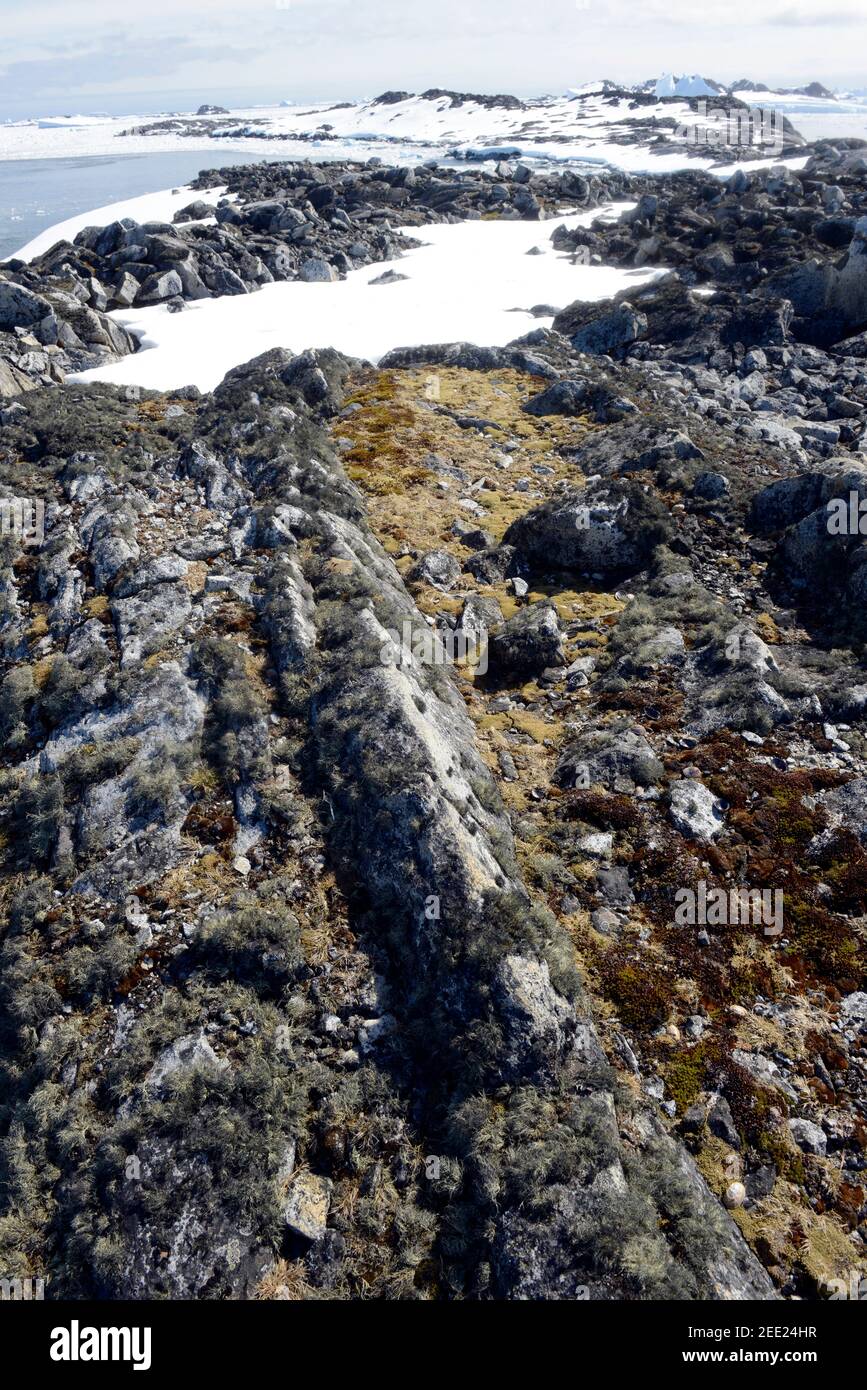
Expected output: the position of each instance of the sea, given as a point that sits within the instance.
(37, 193)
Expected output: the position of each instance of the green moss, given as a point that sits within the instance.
(638, 989)
(685, 1077)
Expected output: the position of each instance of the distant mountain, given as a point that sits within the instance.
(814, 89)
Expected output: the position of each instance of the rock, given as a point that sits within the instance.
(388, 277)
(761, 1182)
(192, 1052)
(528, 642)
(600, 531)
(194, 212)
(536, 1015)
(164, 285)
(764, 1070)
(125, 290)
(601, 328)
(374, 1031)
(695, 811)
(437, 568)
(721, 1123)
(711, 486)
(305, 1211)
(565, 397)
(480, 614)
(735, 1195)
(20, 307)
(605, 921)
(494, 564)
(809, 1137)
(315, 268)
(608, 754)
(598, 844)
(853, 1009)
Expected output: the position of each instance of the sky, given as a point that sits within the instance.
(86, 56)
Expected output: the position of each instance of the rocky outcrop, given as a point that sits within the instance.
(485, 1017)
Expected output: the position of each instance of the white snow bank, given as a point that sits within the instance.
(150, 207)
(462, 283)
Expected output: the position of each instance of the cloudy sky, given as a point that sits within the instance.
(88, 55)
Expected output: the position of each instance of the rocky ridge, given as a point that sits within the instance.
(363, 964)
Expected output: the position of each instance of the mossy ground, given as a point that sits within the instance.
(651, 975)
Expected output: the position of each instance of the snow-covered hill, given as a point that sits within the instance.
(633, 128)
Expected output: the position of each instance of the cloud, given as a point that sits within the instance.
(346, 48)
(74, 67)
(792, 18)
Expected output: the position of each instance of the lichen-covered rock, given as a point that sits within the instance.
(529, 642)
(598, 531)
(695, 811)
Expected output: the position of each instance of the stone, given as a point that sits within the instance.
(603, 531)
(601, 328)
(437, 568)
(305, 1211)
(316, 269)
(735, 1195)
(711, 486)
(528, 642)
(853, 1008)
(695, 811)
(721, 1123)
(809, 1137)
(20, 307)
(761, 1182)
(192, 1052)
(164, 285)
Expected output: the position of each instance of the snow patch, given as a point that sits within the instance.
(465, 282)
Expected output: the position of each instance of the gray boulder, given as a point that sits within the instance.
(528, 642)
(695, 811)
(19, 307)
(156, 288)
(602, 328)
(315, 268)
(437, 568)
(595, 531)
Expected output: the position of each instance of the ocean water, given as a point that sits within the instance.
(36, 193)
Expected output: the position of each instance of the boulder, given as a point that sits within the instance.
(20, 307)
(437, 568)
(597, 531)
(156, 288)
(528, 643)
(601, 328)
(305, 1211)
(315, 268)
(695, 811)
